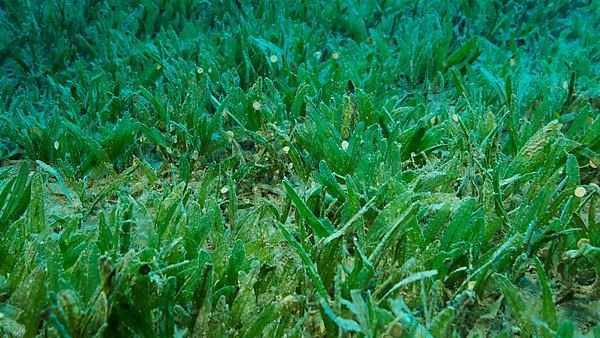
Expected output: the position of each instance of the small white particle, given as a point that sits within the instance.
(345, 145)
(274, 58)
(565, 85)
(580, 192)
(256, 105)
(200, 70)
(593, 165)
(224, 190)
(455, 117)
(56, 144)
(286, 149)
(335, 55)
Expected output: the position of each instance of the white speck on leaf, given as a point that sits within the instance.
(345, 145)
(580, 192)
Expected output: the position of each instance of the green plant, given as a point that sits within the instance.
(237, 168)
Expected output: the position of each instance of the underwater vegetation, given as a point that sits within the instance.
(299, 168)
